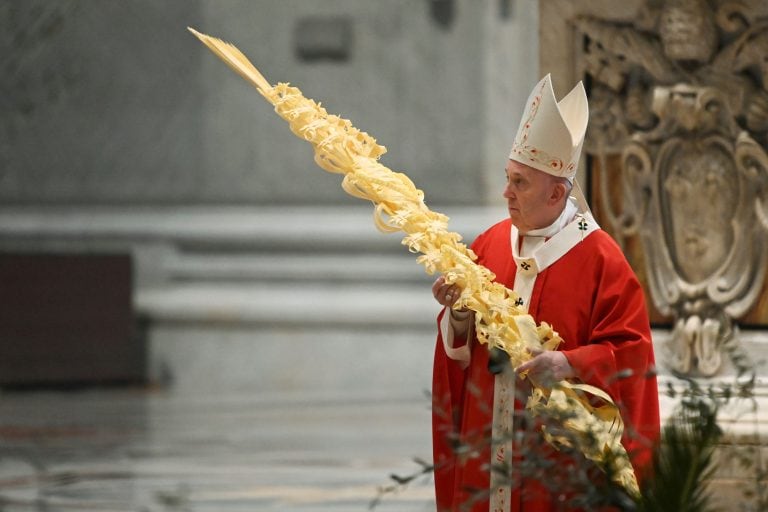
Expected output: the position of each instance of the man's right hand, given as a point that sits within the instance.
(445, 294)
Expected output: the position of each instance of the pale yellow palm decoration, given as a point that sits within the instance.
(399, 206)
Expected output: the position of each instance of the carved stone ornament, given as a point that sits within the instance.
(681, 94)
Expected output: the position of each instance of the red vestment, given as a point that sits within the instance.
(593, 300)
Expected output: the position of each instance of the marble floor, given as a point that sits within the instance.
(153, 451)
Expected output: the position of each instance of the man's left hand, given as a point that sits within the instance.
(547, 367)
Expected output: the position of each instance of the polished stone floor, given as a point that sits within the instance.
(153, 451)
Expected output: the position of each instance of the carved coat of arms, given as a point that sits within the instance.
(681, 94)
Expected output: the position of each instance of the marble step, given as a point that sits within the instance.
(258, 337)
(211, 358)
(222, 228)
(293, 267)
(296, 304)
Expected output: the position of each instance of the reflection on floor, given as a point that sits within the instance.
(149, 451)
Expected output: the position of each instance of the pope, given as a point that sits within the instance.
(489, 453)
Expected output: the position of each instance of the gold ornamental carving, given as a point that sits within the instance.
(680, 96)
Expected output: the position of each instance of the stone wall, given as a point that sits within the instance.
(115, 102)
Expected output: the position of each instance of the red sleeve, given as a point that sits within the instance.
(447, 391)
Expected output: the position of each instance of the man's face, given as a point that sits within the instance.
(528, 194)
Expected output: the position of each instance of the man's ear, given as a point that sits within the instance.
(559, 191)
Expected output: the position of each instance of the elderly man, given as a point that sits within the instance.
(569, 273)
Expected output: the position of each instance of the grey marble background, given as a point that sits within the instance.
(114, 102)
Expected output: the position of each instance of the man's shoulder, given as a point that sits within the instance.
(603, 240)
(601, 247)
(600, 238)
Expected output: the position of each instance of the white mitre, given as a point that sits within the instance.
(552, 132)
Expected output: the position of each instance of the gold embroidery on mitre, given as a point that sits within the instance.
(533, 153)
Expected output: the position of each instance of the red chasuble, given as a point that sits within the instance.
(593, 300)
